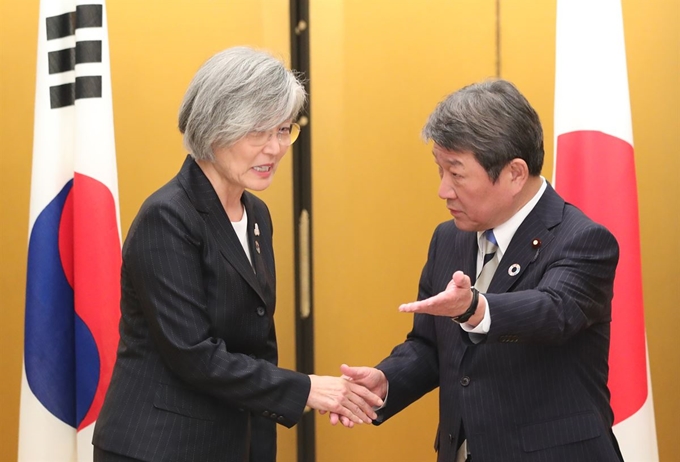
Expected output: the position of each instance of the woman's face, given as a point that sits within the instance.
(250, 163)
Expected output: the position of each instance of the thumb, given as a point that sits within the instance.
(461, 280)
(353, 373)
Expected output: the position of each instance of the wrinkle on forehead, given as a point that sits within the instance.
(444, 156)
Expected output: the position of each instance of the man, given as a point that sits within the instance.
(514, 309)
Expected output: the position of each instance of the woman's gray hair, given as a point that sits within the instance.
(237, 91)
(494, 121)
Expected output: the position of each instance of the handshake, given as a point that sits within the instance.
(350, 398)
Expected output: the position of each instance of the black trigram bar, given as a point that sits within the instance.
(84, 87)
(67, 23)
(61, 60)
(62, 95)
(89, 16)
(89, 87)
(89, 51)
(61, 26)
(86, 51)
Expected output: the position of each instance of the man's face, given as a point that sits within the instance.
(473, 200)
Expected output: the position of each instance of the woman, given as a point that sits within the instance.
(196, 375)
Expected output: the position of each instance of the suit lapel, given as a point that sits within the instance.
(468, 262)
(259, 241)
(521, 252)
(203, 196)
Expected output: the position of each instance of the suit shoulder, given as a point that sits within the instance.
(168, 203)
(169, 196)
(579, 227)
(576, 217)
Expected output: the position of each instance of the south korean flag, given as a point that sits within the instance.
(73, 270)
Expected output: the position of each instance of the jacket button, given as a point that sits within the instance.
(260, 311)
(273, 415)
(450, 438)
(465, 381)
(265, 413)
(281, 418)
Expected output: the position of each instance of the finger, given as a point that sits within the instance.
(346, 422)
(362, 411)
(352, 412)
(334, 418)
(409, 307)
(322, 412)
(422, 305)
(368, 396)
(361, 408)
(357, 408)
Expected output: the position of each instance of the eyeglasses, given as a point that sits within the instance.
(286, 135)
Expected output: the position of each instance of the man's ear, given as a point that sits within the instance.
(519, 171)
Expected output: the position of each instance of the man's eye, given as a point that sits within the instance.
(284, 130)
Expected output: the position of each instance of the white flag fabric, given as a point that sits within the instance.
(595, 170)
(74, 258)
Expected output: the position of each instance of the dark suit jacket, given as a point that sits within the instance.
(196, 376)
(535, 389)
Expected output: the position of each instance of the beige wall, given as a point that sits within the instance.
(378, 68)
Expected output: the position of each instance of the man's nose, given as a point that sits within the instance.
(445, 190)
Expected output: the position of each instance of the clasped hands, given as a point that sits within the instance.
(369, 389)
(368, 385)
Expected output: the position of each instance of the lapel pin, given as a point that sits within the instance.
(257, 230)
(514, 269)
(535, 243)
(257, 246)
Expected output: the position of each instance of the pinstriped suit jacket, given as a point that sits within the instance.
(196, 378)
(535, 389)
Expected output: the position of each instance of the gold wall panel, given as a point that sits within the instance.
(378, 69)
